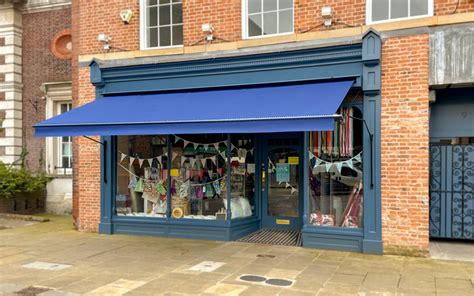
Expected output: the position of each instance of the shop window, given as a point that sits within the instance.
(336, 173)
(267, 17)
(198, 177)
(141, 176)
(161, 23)
(242, 176)
(388, 10)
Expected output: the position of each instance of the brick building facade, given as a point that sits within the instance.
(406, 81)
(35, 74)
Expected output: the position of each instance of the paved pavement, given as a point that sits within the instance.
(454, 250)
(54, 259)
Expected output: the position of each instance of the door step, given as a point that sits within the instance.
(274, 237)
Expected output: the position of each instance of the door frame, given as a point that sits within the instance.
(296, 223)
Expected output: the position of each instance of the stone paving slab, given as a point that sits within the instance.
(139, 265)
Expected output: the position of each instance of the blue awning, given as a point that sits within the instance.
(304, 107)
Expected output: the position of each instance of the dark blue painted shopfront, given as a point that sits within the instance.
(358, 63)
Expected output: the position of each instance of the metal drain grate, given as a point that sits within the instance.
(274, 237)
(32, 291)
(258, 279)
(253, 278)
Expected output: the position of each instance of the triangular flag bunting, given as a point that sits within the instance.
(213, 159)
(339, 166)
(311, 155)
(195, 145)
(203, 162)
(185, 143)
(318, 162)
(176, 139)
(150, 161)
(216, 146)
(132, 160)
(206, 147)
(122, 157)
(293, 190)
(251, 151)
(140, 162)
(358, 158)
(173, 155)
(183, 160)
(328, 166)
(349, 163)
(287, 185)
(193, 162)
(159, 160)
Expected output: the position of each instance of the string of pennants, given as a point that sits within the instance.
(215, 145)
(241, 152)
(141, 161)
(177, 181)
(337, 164)
(272, 169)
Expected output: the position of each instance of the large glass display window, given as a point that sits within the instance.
(199, 177)
(141, 176)
(242, 176)
(336, 173)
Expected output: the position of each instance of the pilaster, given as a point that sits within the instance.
(10, 83)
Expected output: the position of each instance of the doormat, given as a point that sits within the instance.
(274, 237)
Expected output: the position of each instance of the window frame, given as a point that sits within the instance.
(245, 32)
(368, 15)
(143, 27)
(59, 141)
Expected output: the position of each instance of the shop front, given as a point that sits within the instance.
(221, 148)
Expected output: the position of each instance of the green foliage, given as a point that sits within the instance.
(15, 179)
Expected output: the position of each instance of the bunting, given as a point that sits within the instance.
(338, 164)
(197, 144)
(141, 161)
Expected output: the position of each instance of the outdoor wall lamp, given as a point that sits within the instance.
(207, 28)
(105, 39)
(326, 13)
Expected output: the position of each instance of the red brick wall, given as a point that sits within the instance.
(224, 15)
(346, 13)
(86, 188)
(402, 196)
(39, 66)
(98, 16)
(445, 7)
(405, 138)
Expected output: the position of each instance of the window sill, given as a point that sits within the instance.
(161, 47)
(368, 23)
(266, 36)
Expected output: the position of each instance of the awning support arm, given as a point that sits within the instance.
(94, 140)
(104, 161)
(371, 138)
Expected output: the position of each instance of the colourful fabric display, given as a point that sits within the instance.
(338, 143)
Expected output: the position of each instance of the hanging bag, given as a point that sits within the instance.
(139, 185)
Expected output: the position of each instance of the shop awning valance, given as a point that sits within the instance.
(286, 108)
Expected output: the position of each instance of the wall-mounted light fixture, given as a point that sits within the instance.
(326, 13)
(126, 15)
(207, 28)
(105, 39)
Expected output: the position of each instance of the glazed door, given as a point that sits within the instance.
(281, 182)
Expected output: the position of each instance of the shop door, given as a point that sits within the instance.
(282, 204)
(452, 191)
